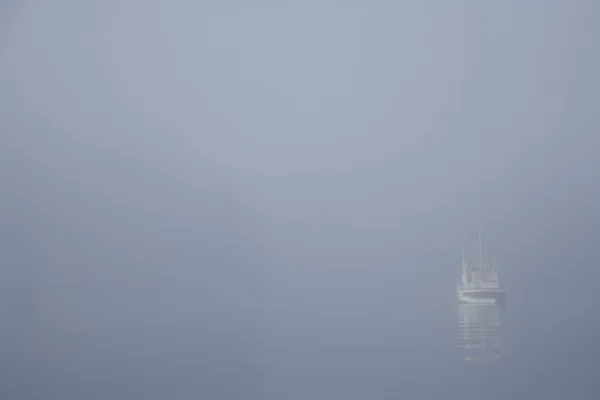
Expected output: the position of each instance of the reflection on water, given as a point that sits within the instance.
(479, 332)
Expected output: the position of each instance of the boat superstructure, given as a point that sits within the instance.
(479, 280)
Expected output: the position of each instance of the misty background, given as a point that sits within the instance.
(265, 200)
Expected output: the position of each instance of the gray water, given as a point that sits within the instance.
(243, 200)
(532, 350)
(351, 334)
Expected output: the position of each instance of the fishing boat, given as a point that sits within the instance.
(479, 280)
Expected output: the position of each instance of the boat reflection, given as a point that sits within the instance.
(479, 332)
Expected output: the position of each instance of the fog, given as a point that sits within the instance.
(261, 200)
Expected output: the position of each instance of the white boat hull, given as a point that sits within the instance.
(481, 296)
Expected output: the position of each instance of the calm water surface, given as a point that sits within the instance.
(532, 350)
(313, 342)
